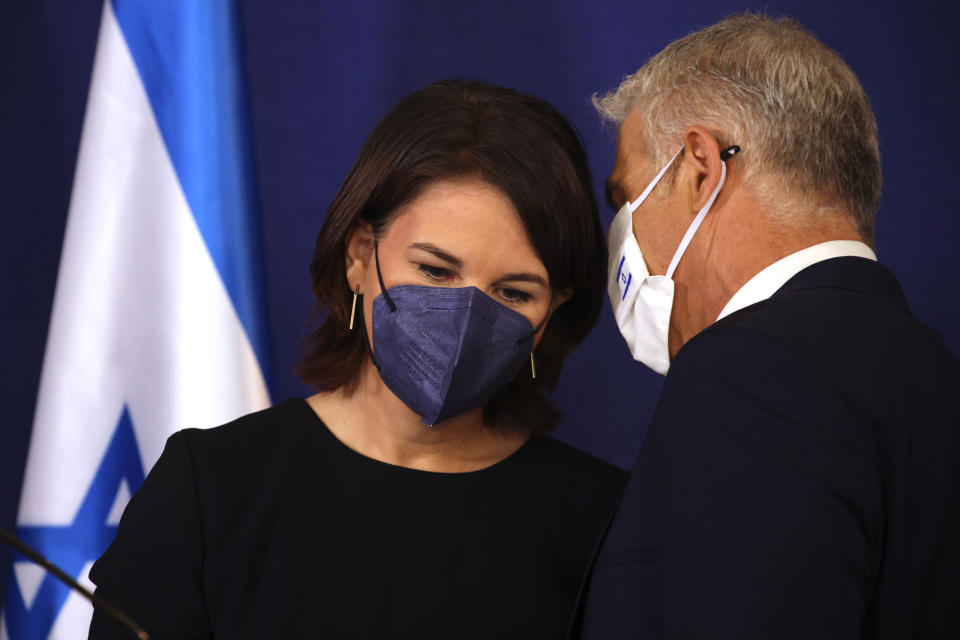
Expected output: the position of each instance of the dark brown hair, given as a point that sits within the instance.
(516, 142)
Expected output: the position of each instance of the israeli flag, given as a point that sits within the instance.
(157, 320)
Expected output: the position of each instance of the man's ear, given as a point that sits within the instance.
(701, 158)
(360, 242)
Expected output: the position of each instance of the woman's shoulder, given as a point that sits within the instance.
(287, 417)
(260, 438)
(245, 468)
(573, 465)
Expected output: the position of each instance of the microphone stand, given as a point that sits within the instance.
(58, 573)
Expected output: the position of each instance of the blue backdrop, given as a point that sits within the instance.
(320, 75)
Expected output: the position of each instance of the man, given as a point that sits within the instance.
(800, 476)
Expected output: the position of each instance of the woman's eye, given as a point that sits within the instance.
(514, 295)
(434, 273)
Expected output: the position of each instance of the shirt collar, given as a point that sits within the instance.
(765, 284)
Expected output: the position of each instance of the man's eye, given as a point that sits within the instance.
(514, 295)
(611, 203)
(434, 273)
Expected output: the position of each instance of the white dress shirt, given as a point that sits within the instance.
(765, 284)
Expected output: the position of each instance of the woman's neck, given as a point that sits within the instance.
(376, 423)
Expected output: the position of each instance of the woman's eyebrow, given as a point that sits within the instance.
(438, 252)
(523, 277)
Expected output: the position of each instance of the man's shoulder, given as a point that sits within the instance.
(745, 361)
(829, 298)
(841, 330)
(845, 312)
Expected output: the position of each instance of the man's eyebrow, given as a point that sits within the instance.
(523, 277)
(438, 252)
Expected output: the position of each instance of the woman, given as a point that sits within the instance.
(416, 494)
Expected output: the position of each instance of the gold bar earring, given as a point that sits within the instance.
(353, 307)
(533, 367)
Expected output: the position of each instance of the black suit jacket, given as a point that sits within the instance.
(800, 477)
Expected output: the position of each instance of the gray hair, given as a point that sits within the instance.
(808, 135)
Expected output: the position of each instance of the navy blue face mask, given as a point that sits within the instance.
(444, 351)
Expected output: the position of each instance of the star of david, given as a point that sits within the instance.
(75, 545)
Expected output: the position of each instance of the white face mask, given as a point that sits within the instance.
(641, 302)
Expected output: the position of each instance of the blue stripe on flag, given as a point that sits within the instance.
(189, 58)
(73, 546)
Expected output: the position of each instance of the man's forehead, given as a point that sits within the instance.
(630, 137)
(631, 159)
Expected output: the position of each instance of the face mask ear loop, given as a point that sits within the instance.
(688, 236)
(632, 206)
(537, 328)
(383, 289)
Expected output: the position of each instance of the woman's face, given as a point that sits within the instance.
(460, 232)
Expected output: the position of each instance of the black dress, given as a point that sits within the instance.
(270, 527)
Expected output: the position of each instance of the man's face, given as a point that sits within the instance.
(657, 223)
